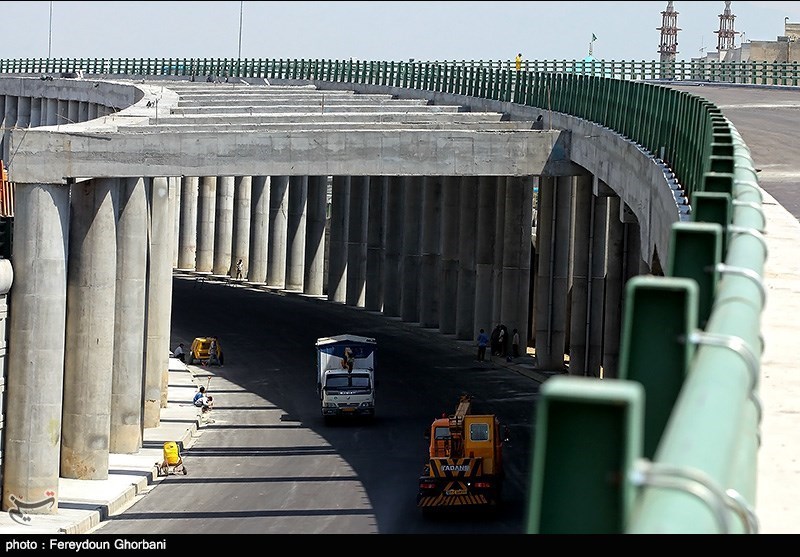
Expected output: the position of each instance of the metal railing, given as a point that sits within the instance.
(754, 72)
(671, 445)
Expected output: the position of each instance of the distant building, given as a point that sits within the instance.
(791, 30)
(786, 48)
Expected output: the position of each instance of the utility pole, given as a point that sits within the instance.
(241, 10)
(50, 32)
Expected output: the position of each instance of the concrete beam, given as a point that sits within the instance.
(218, 125)
(292, 108)
(49, 156)
(464, 118)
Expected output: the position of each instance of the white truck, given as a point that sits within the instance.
(346, 390)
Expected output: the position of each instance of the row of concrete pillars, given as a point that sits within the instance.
(587, 247)
(90, 323)
(451, 253)
(93, 261)
(93, 264)
(27, 112)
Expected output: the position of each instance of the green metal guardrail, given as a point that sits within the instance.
(671, 446)
(755, 72)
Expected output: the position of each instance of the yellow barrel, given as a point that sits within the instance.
(171, 454)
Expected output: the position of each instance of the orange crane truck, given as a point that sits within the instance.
(465, 462)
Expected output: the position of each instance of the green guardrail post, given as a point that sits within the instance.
(695, 252)
(714, 207)
(718, 182)
(660, 313)
(588, 437)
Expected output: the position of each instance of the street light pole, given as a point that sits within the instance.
(241, 10)
(50, 32)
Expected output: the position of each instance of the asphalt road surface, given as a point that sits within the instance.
(767, 119)
(269, 464)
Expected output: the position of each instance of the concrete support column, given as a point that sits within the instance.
(52, 112)
(516, 275)
(159, 297)
(393, 262)
(412, 216)
(497, 249)
(36, 112)
(597, 285)
(72, 112)
(467, 225)
(129, 318)
(24, 112)
(173, 183)
(93, 111)
(614, 282)
(376, 242)
(206, 211)
(175, 187)
(337, 252)
(223, 226)
(278, 216)
(296, 232)
(487, 241)
(357, 241)
(553, 270)
(314, 265)
(62, 112)
(34, 384)
(83, 111)
(6, 281)
(259, 230)
(187, 244)
(581, 246)
(531, 341)
(448, 270)
(431, 251)
(88, 362)
(634, 264)
(9, 121)
(243, 186)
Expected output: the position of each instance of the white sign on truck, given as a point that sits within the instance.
(346, 375)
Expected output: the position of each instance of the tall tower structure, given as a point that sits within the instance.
(669, 34)
(726, 35)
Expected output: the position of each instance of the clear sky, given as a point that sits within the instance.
(373, 30)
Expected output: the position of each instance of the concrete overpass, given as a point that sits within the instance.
(397, 240)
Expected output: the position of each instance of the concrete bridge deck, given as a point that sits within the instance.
(404, 137)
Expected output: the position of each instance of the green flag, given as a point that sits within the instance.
(594, 37)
